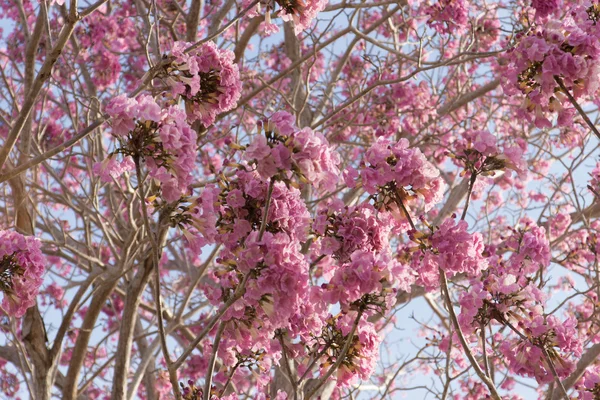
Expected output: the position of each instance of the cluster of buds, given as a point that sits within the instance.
(191, 391)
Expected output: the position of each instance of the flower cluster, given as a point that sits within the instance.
(447, 15)
(398, 174)
(162, 138)
(206, 78)
(344, 230)
(544, 8)
(301, 12)
(506, 294)
(478, 151)
(21, 268)
(564, 51)
(529, 246)
(228, 214)
(284, 150)
(368, 278)
(360, 359)
(595, 181)
(590, 386)
(450, 248)
(532, 353)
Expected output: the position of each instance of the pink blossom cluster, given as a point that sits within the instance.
(595, 181)
(279, 303)
(514, 302)
(545, 8)
(589, 389)
(362, 269)
(529, 246)
(162, 138)
(479, 152)
(505, 294)
(228, 215)
(398, 172)
(278, 294)
(207, 78)
(450, 248)
(532, 354)
(285, 150)
(565, 49)
(370, 277)
(360, 360)
(344, 230)
(301, 12)
(447, 15)
(22, 266)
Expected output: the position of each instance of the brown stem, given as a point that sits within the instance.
(461, 337)
(583, 114)
(156, 262)
(469, 192)
(211, 364)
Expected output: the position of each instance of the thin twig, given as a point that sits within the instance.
(553, 370)
(461, 337)
(263, 224)
(213, 359)
(288, 370)
(470, 191)
(583, 114)
(156, 262)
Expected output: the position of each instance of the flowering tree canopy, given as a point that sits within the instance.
(299, 199)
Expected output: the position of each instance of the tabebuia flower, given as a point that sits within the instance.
(447, 15)
(370, 279)
(589, 388)
(478, 151)
(397, 175)
(343, 230)
(530, 248)
(450, 247)
(544, 8)
(162, 138)
(360, 360)
(206, 78)
(301, 12)
(22, 265)
(566, 50)
(286, 151)
(500, 297)
(277, 295)
(543, 341)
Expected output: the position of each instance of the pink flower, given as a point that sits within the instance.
(110, 168)
(302, 13)
(452, 249)
(286, 150)
(544, 8)
(21, 268)
(122, 114)
(448, 14)
(207, 79)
